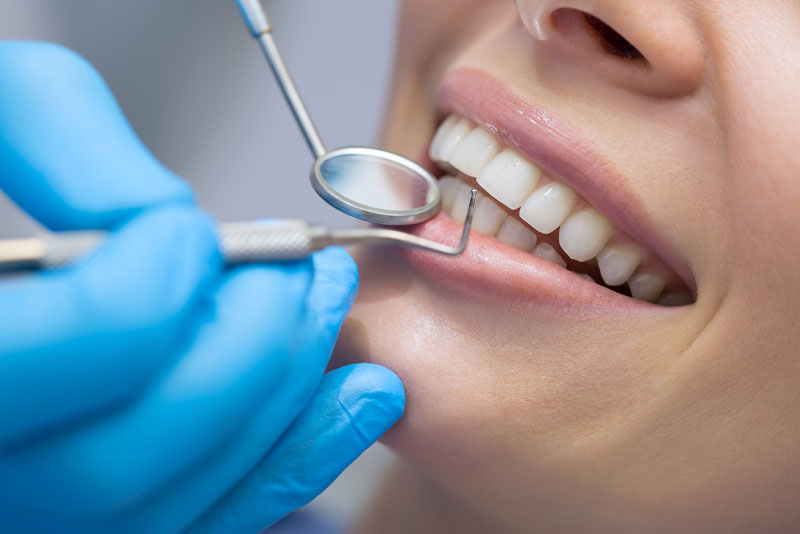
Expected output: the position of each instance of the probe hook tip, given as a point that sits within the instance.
(468, 221)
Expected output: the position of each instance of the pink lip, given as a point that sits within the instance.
(491, 268)
(554, 147)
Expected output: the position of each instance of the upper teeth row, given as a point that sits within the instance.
(544, 204)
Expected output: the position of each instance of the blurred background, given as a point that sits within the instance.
(197, 90)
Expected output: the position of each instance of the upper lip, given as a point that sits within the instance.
(552, 145)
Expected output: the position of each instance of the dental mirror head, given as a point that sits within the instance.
(367, 183)
(376, 186)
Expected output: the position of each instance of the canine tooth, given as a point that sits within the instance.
(674, 300)
(448, 187)
(618, 262)
(510, 178)
(546, 251)
(441, 135)
(514, 233)
(452, 139)
(584, 234)
(461, 203)
(548, 207)
(488, 216)
(646, 286)
(475, 152)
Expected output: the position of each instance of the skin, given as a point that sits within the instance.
(519, 419)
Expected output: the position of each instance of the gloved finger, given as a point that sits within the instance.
(79, 341)
(354, 407)
(230, 370)
(67, 154)
(178, 504)
(329, 301)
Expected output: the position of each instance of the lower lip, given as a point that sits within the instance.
(492, 269)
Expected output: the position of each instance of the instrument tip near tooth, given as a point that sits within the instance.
(473, 199)
(467, 222)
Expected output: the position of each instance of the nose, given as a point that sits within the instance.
(649, 46)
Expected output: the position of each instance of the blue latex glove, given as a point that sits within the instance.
(149, 389)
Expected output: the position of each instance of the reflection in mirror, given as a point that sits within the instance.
(377, 182)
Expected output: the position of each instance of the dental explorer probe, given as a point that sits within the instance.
(240, 243)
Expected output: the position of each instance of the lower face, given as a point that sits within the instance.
(617, 347)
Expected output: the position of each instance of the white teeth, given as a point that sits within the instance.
(448, 187)
(514, 233)
(455, 134)
(475, 152)
(488, 217)
(584, 234)
(646, 286)
(441, 135)
(618, 262)
(510, 179)
(673, 300)
(511, 182)
(547, 252)
(548, 207)
(461, 203)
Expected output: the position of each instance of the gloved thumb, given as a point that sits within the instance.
(353, 407)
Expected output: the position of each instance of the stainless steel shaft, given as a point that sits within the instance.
(261, 28)
(240, 243)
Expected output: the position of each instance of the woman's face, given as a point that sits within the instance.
(662, 139)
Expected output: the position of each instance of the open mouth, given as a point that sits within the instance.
(536, 211)
(523, 207)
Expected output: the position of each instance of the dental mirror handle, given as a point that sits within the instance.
(261, 27)
(240, 243)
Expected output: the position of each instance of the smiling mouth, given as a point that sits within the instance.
(553, 213)
(525, 208)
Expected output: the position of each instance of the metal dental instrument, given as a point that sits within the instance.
(366, 183)
(241, 243)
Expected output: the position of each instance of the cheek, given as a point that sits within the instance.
(759, 89)
(428, 28)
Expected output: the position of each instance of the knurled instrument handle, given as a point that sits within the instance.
(246, 242)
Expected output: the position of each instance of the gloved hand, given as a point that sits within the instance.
(149, 389)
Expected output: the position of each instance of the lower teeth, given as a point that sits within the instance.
(492, 220)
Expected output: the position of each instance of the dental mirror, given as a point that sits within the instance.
(367, 183)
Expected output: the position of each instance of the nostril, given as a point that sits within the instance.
(612, 42)
(593, 29)
(651, 48)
